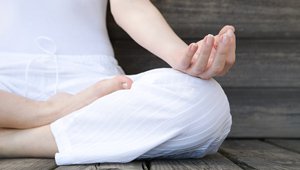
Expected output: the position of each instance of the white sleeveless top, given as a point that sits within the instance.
(74, 26)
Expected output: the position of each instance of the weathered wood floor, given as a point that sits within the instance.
(233, 155)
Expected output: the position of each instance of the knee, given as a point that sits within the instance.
(211, 111)
(197, 110)
(203, 106)
(193, 96)
(207, 120)
(191, 88)
(207, 107)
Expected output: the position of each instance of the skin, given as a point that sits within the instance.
(30, 114)
(199, 59)
(39, 141)
(212, 56)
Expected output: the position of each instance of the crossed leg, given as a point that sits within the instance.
(39, 141)
(194, 115)
(36, 142)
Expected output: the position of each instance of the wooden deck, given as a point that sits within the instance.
(234, 154)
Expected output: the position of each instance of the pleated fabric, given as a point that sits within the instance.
(166, 113)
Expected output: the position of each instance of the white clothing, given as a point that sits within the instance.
(166, 113)
(76, 26)
(75, 73)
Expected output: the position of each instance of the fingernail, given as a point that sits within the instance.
(192, 45)
(125, 85)
(232, 27)
(230, 33)
(209, 39)
(224, 38)
(195, 45)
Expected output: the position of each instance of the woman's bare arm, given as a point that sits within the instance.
(144, 23)
(22, 113)
(18, 112)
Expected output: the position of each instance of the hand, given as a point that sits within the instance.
(210, 57)
(63, 103)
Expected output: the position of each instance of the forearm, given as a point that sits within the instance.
(20, 112)
(144, 23)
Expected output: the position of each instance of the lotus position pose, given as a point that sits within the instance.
(63, 94)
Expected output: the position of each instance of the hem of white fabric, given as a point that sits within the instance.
(61, 141)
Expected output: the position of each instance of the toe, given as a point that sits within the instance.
(121, 82)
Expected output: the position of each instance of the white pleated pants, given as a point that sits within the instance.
(166, 113)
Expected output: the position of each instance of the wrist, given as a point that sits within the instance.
(176, 55)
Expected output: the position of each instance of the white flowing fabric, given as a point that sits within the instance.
(166, 113)
(34, 75)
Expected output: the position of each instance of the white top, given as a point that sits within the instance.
(73, 26)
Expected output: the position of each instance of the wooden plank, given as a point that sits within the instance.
(136, 165)
(213, 162)
(265, 63)
(265, 112)
(27, 164)
(77, 167)
(290, 144)
(254, 154)
(260, 63)
(255, 18)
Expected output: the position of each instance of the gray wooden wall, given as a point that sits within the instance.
(264, 85)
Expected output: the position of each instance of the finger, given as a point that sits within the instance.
(201, 62)
(108, 86)
(226, 28)
(232, 51)
(124, 81)
(230, 60)
(185, 62)
(97, 91)
(71, 103)
(219, 60)
(223, 31)
(104, 87)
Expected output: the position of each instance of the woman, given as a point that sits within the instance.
(64, 95)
